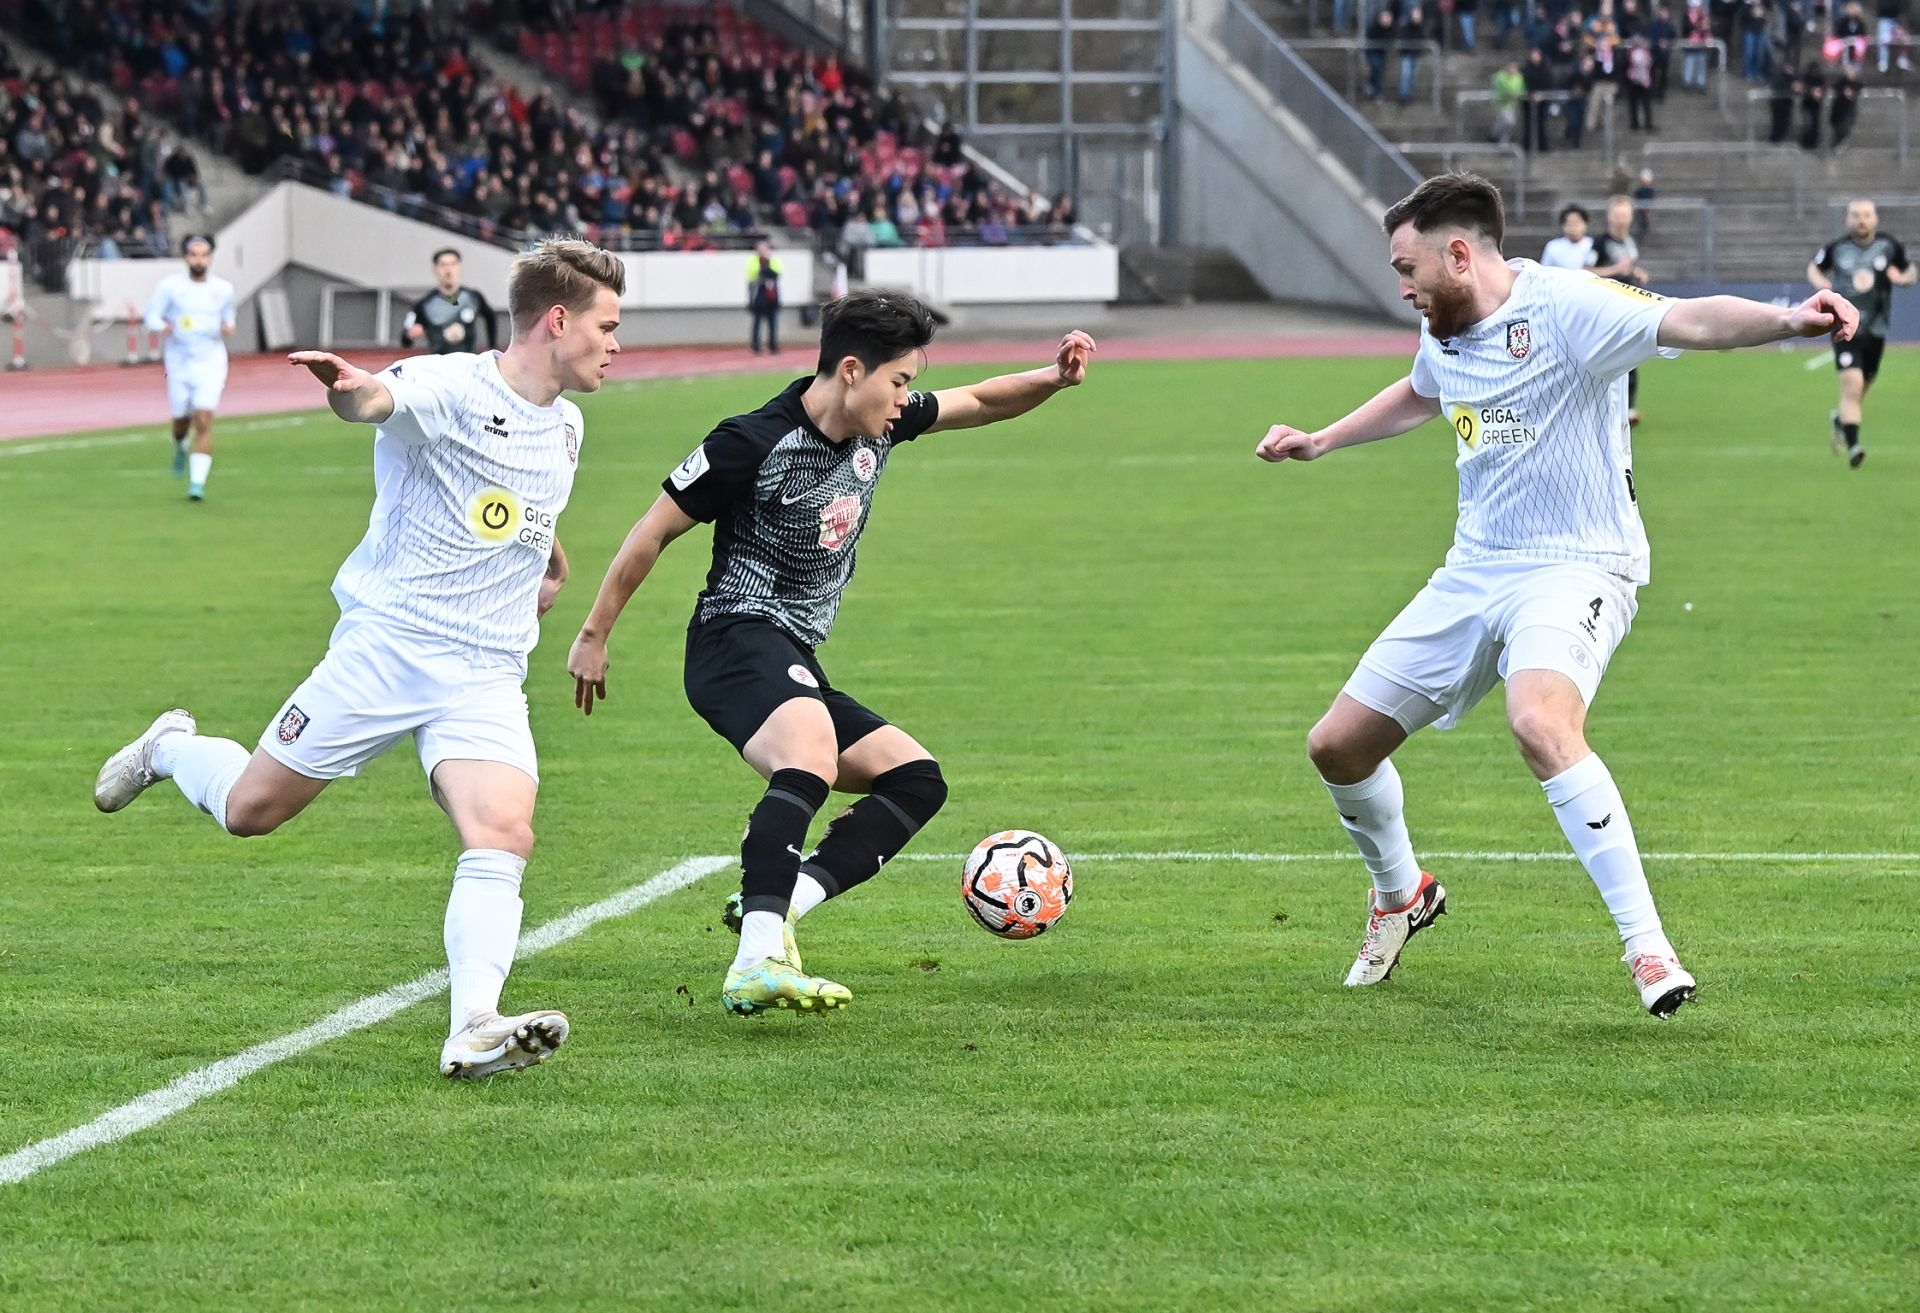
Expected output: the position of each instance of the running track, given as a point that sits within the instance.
(42, 402)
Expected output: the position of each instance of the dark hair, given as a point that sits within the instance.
(1451, 200)
(191, 238)
(445, 250)
(1565, 210)
(873, 327)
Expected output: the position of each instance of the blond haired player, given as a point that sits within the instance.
(473, 458)
(1529, 366)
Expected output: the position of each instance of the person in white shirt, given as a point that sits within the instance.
(1572, 249)
(1528, 365)
(473, 459)
(195, 311)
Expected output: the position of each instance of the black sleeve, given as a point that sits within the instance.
(416, 314)
(921, 413)
(1899, 260)
(484, 312)
(719, 472)
(1823, 259)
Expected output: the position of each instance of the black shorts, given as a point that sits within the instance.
(740, 669)
(1862, 353)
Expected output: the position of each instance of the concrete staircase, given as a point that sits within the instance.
(1729, 207)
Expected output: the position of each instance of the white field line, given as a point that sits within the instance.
(157, 1105)
(15, 448)
(1773, 859)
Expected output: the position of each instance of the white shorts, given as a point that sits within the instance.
(378, 683)
(195, 387)
(1473, 625)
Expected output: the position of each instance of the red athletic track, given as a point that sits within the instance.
(41, 402)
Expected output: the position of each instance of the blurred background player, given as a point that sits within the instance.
(440, 604)
(1616, 255)
(1573, 248)
(1864, 265)
(763, 296)
(787, 489)
(450, 317)
(1549, 552)
(195, 311)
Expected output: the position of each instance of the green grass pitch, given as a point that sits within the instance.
(1113, 625)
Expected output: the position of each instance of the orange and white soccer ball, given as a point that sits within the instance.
(1016, 884)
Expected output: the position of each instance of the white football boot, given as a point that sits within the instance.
(1388, 932)
(1664, 983)
(129, 772)
(493, 1043)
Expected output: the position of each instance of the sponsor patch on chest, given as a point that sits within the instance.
(838, 519)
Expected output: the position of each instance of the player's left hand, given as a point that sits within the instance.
(1823, 313)
(1075, 349)
(330, 369)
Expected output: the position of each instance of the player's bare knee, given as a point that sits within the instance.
(1548, 740)
(251, 816)
(1338, 757)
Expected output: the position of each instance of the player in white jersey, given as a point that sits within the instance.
(474, 459)
(195, 311)
(1529, 366)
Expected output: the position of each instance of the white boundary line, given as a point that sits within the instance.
(16, 447)
(1775, 859)
(158, 1105)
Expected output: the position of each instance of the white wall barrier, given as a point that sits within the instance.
(368, 247)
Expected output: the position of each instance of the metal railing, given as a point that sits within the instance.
(1383, 172)
(1451, 153)
(1432, 66)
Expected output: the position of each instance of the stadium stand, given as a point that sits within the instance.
(715, 132)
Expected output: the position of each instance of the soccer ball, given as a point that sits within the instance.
(1016, 884)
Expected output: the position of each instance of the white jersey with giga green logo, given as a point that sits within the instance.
(469, 482)
(1537, 396)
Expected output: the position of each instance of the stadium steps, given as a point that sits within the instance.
(1775, 203)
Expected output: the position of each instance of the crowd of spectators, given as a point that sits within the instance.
(1576, 66)
(705, 143)
(75, 169)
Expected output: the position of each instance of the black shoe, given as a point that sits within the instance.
(1856, 455)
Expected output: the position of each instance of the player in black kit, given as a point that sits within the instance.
(788, 489)
(1864, 266)
(449, 318)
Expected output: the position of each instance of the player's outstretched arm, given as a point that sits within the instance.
(355, 395)
(1396, 409)
(1008, 395)
(587, 662)
(1722, 323)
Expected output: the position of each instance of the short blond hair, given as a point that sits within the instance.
(560, 271)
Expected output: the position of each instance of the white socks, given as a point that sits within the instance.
(808, 893)
(1594, 819)
(761, 936)
(206, 769)
(198, 463)
(1374, 812)
(482, 930)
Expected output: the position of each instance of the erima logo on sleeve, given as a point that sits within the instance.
(690, 469)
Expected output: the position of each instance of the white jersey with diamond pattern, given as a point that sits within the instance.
(1536, 394)
(469, 482)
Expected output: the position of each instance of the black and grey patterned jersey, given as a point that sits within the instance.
(1859, 273)
(452, 323)
(787, 506)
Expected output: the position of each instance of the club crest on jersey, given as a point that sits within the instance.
(865, 464)
(1519, 339)
(573, 445)
(837, 520)
(291, 725)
